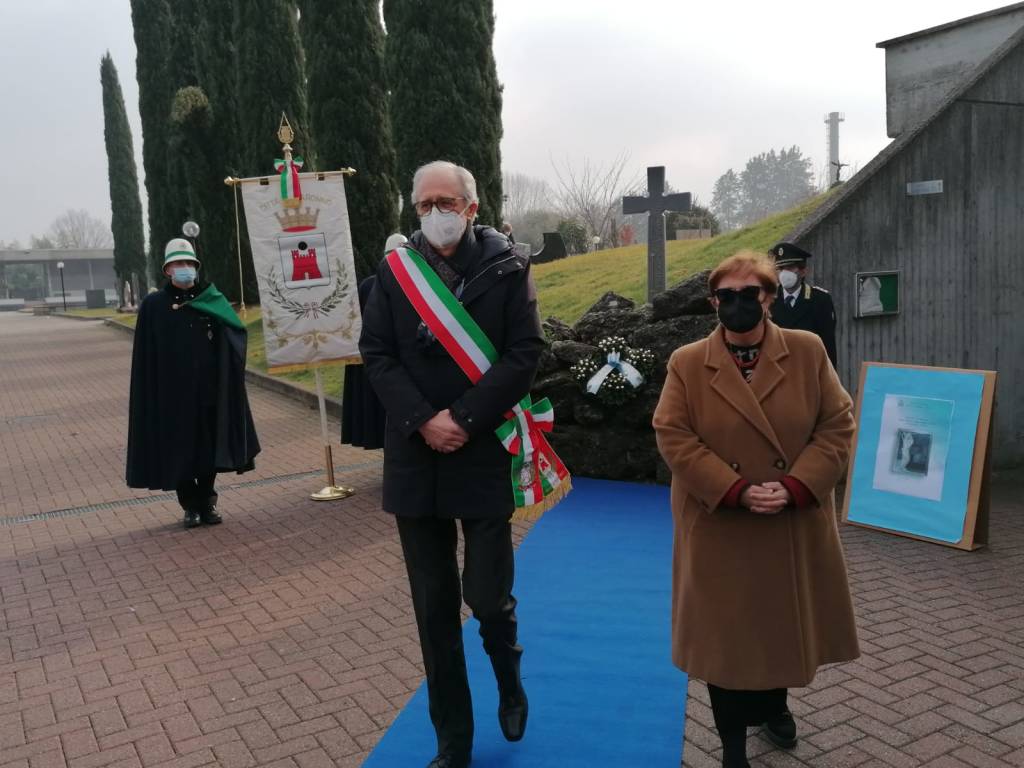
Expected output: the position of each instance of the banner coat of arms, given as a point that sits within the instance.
(302, 252)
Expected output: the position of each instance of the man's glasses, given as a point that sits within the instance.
(444, 204)
(729, 295)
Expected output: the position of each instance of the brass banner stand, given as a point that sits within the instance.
(329, 492)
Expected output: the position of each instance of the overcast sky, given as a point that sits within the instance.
(697, 87)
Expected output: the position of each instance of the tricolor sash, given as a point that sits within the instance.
(539, 478)
(289, 170)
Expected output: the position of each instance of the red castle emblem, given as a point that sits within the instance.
(304, 266)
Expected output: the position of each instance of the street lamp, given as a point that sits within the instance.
(63, 295)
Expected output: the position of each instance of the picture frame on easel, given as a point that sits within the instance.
(920, 464)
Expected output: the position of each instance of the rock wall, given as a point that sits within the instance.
(617, 443)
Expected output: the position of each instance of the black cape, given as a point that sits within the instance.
(181, 397)
(362, 415)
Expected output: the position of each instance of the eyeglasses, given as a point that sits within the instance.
(728, 295)
(444, 204)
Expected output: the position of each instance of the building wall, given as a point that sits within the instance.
(961, 253)
(922, 71)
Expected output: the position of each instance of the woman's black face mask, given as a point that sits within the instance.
(739, 309)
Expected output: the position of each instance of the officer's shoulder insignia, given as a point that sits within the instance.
(818, 288)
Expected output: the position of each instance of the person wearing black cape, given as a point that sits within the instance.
(188, 414)
(362, 416)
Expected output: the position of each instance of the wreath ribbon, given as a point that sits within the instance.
(620, 366)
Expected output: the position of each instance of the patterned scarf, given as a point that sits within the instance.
(745, 358)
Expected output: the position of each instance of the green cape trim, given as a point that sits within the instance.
(212, 302)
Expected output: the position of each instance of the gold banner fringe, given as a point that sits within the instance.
(354, 360)
(534, 511)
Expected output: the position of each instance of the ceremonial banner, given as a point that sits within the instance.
(302, 252)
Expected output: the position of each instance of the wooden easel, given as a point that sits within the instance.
(975, 528)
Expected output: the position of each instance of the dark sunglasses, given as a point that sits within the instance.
(728, 295)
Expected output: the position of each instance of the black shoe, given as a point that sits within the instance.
(209, 516)
(512, 713)
(192, 518)
(449, 760)
(781, 730)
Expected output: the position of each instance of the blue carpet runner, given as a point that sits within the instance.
(593, 580)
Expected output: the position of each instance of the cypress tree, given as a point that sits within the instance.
(344, 48)
(197, 175)
(270, 81)
(204, 145)
(152, 24)
(125, 206)
(446, 95)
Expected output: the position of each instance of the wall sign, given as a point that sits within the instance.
(933, 187)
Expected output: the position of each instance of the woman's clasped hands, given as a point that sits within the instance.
(766, 498)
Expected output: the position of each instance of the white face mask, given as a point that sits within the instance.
(442, 229)
(788, 278)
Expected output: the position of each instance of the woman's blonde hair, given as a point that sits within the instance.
(760, 265)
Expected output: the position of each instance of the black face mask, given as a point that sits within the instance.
(739, 313)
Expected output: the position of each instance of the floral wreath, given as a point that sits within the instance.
(617, 373)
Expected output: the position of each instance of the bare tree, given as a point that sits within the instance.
(524, 194)
(592, 195)
(77, 229)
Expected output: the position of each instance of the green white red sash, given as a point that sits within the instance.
(539, 478)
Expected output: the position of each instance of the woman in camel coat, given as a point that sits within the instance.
(756, 429)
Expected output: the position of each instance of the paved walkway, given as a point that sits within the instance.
(285, 636)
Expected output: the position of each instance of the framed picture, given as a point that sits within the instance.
(876, 294)
(920, 461)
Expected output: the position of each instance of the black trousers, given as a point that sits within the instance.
(197, 493)
(429, 548)
(735, 710)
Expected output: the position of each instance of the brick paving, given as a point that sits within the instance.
(940, 682)
(285, 636)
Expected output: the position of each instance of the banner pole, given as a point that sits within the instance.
(238, 241)
(330, 492)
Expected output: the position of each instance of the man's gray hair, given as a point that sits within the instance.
(465, 179)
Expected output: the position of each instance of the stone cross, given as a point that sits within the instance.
(655, 205)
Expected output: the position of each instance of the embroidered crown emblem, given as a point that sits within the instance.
(298, 220)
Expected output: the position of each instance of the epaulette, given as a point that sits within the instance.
(818, 288)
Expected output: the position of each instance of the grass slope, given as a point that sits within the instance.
(567, 288)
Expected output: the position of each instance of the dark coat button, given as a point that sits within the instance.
(780, 464)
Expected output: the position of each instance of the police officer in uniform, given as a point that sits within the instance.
(798, 304)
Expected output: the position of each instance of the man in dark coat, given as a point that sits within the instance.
(362, 415)
(798, 304)
(442, 460)
(188, 414)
